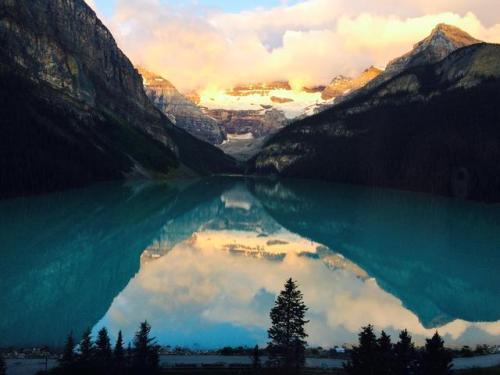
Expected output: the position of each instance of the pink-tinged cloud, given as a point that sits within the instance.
(307, 43)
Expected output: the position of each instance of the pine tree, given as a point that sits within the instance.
(287, 334)
(145, 351)
(119, 351)
(435, 359)
(405, 355)
(386, 359)
(364, 357)
(86, 348)
(68, 357)
(3, 366)
(129, 357)
(103, 348)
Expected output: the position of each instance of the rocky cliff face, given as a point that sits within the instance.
(73, 106)
(342, 85)
(257, 122)
(431, 128)
(443, 40)
(180, 110)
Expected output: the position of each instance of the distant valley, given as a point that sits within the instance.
(241, 119)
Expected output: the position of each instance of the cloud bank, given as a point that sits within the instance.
(199, 293)
(306, 43)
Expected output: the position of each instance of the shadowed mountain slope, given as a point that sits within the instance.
(432, 128)
(73, 109)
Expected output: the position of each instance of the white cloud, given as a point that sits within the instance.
(308, 42)
(198, 288)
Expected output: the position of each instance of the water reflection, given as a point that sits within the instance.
(216, 286)
(203, 261)
(65, 256)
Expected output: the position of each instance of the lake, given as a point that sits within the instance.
(202, 261)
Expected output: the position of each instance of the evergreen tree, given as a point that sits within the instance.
(103, 348)
(86, 348)
(287, 334)
(68, 357)
(119, 351)
(405, 355)
(386, 357)
(145, 351)
(435, 359)
(364, 357)
(3, 366)
(129, 357)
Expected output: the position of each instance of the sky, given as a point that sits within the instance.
(214, 44)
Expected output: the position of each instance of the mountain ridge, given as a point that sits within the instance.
(180, 110)
(430, 128)
(443, 40)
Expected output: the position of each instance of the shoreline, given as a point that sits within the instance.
(30, 366)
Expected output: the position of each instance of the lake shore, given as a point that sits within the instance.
(28, 366)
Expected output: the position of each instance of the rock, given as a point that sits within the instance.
(443, 40)
(257, 122)
(342, 85)
(182, 111)
(276, 99)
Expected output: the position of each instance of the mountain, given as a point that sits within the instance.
(443, 40)
(257, 123)
(251, 113)
(180, 110)
(431, 128)
(342, 85)
(73, 107)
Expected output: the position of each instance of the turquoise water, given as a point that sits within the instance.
(203, 260)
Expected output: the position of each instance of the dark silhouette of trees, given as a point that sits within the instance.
(435, 359)
(379, 356)
(364, 358)
(86, 349)
(386, 354)
(3, 366)
(119, 352)
(101, 358)
(287, 333)
(68, 357)
(129, 355)
(103, 352)
(145, 357)
(405, 355)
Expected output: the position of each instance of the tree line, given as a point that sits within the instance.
(372, 355)
(286, 348)
(379, 356)
(99, 357)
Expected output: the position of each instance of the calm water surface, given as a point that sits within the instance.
(203, 260)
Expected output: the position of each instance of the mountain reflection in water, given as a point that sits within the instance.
(202, 261)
